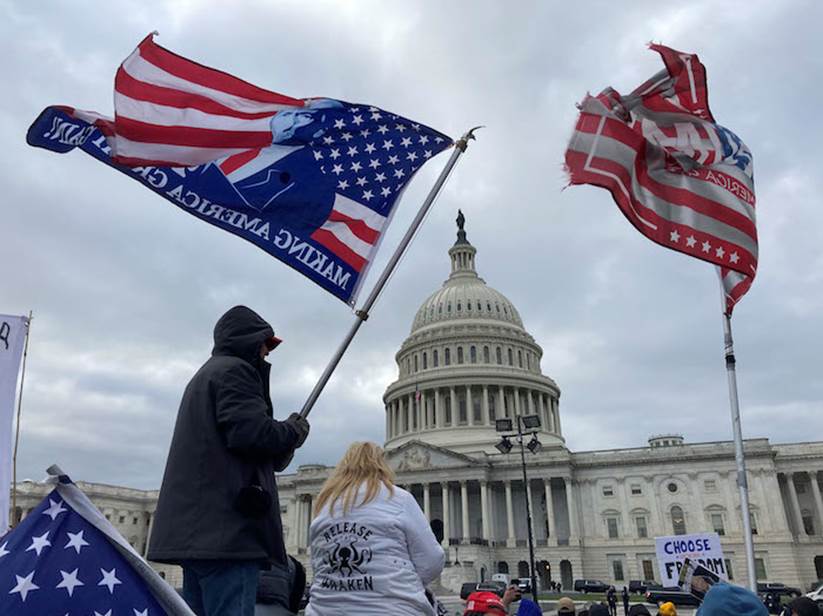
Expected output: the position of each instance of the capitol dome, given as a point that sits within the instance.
(467, 361)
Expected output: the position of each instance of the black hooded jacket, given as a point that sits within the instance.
(224, 440)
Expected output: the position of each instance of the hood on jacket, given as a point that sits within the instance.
(731, 600)
(240, 333)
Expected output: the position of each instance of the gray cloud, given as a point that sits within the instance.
(126, 289)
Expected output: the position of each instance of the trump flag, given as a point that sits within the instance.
(683, 180)
(66, 558)
(312, 181)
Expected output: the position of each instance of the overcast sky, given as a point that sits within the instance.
(126, 288)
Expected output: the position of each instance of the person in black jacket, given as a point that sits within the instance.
(611, 599)
(218, 514)
(625, 597)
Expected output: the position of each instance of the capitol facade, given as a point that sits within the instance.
(469, 361)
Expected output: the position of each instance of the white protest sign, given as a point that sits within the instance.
(703, 548)
(12, 335)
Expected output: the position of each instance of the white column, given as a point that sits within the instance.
(530, 396)
(401, 415)
(798, 517)
(818, 502)
(517, 410)
(464, 510)
(455, 410)
(444, 486)
(501, 402)
(572, 506)
(552, 538)
(469, 405)
(427, 501)
(484, 506)
(438, 411)
(511, 539)
(541, 410)
(556, 415)
(484, 406)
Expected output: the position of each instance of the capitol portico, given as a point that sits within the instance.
(469, 360)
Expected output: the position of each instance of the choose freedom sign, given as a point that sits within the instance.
(703, 548)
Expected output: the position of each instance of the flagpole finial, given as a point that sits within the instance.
(463, 142)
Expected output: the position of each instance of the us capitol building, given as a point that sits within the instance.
(469, 360)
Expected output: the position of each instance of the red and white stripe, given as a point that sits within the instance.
(172, 111)
(634, 148)
(735, 285)
(351, 232)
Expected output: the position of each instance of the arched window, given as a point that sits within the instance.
(486, 356)
(425, 360)
(459, 306)
(519, 359)
(473, 354)
(460, 355)
(511, 358)
(528, 361)
(447, 407)
(435, 358)
(678, 520)
(416, 368)
(523, 569)
(502, 567)
(449, 307)
(499, 355)
(447, 357)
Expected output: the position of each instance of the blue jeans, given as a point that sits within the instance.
(221, 587)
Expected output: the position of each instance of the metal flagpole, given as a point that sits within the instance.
(742, 481)
(363, 313)
(19, 407)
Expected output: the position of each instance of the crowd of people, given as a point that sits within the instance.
(372, 550)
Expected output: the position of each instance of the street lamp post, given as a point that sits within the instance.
(531, 423)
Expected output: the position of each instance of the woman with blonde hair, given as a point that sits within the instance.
(372, 550)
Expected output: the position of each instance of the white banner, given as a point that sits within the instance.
(703, 548)
(12, 336)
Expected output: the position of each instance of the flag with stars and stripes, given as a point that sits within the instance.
(65, 558)
(311, 181)
(681, 179)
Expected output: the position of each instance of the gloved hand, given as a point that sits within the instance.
(301, 427)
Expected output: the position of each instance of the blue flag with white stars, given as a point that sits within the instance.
(56, 561)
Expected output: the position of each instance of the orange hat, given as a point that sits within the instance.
(667, 609)
(485, 603)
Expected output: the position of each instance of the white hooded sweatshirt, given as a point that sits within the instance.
(375, 560)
